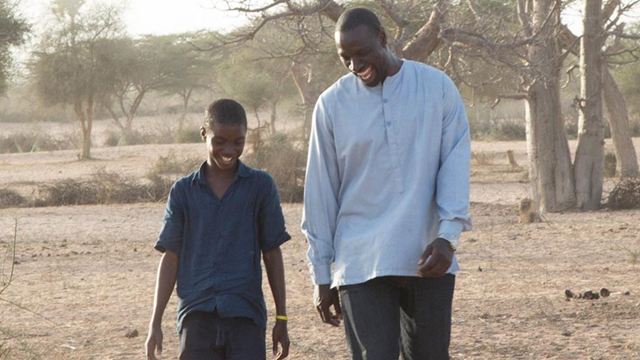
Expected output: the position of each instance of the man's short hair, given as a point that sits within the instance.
(225, 111)
(355, 17)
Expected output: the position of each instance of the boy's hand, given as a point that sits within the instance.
(280, 335)
(324, 297)
(154, 341)
(436, 259)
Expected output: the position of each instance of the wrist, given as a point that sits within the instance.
(448, 244)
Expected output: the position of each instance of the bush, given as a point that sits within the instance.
(104, 188)
(498, 130)
(10, 198)
(187, 136)
(285, 161)
(31, 142)
(625, 195)
(171, 165)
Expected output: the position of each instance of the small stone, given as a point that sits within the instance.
(131, 333)
(566, 333)
(627, 293)
(480, 268)
(590, 295)
(568, 294)
(604, 292)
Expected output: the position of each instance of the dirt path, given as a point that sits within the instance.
(86, 276)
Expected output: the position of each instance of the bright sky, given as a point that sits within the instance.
(157, 17)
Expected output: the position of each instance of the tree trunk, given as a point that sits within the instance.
(306, 99)
(616, 106)
(550, 170)
(589, 160)
(85, 119)
(627, 160)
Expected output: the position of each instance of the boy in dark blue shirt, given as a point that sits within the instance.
(217, 223)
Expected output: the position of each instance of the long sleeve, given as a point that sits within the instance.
(322, 185)
(452, 191)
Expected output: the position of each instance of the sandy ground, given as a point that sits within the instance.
(84, 275)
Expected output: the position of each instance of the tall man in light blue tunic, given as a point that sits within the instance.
(386, 197)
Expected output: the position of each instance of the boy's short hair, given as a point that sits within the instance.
(355, 17)
(225, 111)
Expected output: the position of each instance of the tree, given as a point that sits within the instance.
(71, 66)
(152, 63)
(13, 30)
(616, 106)
(589, 162)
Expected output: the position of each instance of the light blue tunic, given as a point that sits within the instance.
(387, 173)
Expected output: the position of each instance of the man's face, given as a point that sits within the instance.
(225, 143)
(363, 52)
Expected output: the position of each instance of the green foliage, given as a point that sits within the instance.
(13, 30)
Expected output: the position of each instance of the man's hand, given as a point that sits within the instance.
(154, 341)
(323, 298)
(280, 335)
(436, 259)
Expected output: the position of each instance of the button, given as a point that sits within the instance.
(385, 101)
(388, 123)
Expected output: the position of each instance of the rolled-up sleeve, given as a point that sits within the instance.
(321, 196)
(271, 225)
(171, 234)
(452, 191)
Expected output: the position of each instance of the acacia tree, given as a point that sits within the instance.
(70, 66)
(151, 63)
(13, 29)
(533, 50)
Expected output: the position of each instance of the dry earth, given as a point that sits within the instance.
(84, 275)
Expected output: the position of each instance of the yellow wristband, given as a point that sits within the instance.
(282, 317)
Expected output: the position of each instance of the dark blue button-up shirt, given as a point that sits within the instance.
(219, 242)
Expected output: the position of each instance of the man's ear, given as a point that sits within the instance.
(203, 133)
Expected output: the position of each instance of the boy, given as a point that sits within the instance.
(217, 222)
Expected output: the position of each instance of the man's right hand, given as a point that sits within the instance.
(323, 298)
(154, 341)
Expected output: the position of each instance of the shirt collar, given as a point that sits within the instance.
(199, 177)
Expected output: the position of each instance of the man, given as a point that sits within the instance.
(386, 197)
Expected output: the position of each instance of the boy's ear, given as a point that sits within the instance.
(382, 36)
(203, 133)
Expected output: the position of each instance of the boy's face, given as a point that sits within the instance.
(225, 143)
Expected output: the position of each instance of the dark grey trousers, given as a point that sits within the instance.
(393, 315)
(205, 335)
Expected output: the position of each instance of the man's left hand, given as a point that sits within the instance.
(280, 336)
(436, 259)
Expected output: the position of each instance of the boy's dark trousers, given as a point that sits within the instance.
(205, 335)
(389, 315)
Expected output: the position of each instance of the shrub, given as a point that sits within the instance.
(285, 161)
(625, 195)
(171, 165)
(10, 198)
(104, 188)
(187, 136)
(31, 142)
